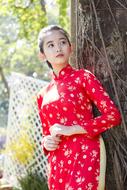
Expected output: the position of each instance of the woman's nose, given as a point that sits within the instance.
(58, 48)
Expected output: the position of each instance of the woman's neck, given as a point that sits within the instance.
(58, 68)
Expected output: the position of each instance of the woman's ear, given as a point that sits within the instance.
(72, 47)
(41, 56)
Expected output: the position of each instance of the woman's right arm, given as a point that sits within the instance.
(49, 143)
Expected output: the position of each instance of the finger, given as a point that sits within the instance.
(48, 142)
(57, 138)
(51, 147)
(52, 144)
(53, 138)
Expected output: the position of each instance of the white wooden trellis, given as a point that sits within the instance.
(22, 108)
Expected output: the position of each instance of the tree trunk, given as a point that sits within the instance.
(102, 48)
(43, 5)
(4, 80)
(73, 32)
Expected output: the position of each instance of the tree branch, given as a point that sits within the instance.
(4, 80)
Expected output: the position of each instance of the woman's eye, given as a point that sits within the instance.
(63, 42)
(51, 45)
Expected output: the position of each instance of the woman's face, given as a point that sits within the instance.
(56, 48)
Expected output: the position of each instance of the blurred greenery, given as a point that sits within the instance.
(32, 181)
(20, 23)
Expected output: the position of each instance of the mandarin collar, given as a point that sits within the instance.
(63, 72)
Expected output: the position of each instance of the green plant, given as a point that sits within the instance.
(32, 181)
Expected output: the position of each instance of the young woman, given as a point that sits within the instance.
(72, 135)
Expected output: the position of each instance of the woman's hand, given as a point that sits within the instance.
(51, 143)
(58, 129)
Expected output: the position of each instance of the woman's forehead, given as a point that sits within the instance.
(53, 35)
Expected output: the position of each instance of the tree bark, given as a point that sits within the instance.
(73, 32)
(43, 5)
(102, 48)
(4, 81)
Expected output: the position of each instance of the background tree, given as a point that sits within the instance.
(63, 16)
(20, 23)
(101, 43)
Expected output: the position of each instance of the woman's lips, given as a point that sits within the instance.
(60, 55)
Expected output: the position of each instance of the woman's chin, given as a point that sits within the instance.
(60, 64)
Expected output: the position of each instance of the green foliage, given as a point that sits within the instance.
(32, 181)
(63, 15)
(20, 23)
(18, 54)
(29, 14)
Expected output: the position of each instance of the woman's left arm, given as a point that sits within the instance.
(109, 113)
(58, 129)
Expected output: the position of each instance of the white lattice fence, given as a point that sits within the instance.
(24, 131)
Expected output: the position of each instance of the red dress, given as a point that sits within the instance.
(67, 100)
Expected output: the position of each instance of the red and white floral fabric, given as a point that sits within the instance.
(67, 100)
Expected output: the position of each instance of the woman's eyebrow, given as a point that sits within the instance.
(51, 41)
(63, 38)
